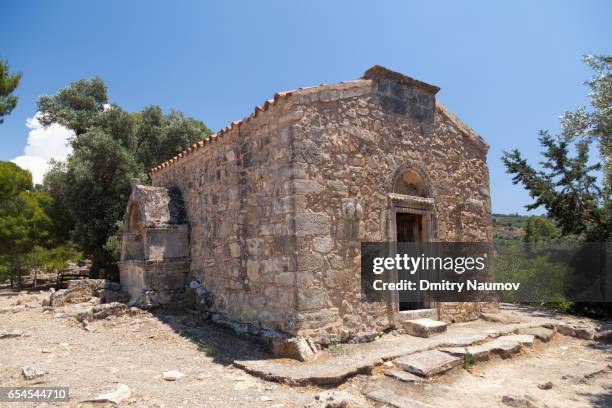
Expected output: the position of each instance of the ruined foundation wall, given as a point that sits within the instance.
(350, 144)
(239, 205)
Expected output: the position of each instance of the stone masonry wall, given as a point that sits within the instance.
(238, 199)
(350, 145)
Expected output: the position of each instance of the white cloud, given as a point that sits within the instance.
(42, 146)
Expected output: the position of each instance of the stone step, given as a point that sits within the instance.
(427, 363)
(541, 333)
(406, 315)
(405, 376)
(504, 346)
(480, 353)
(424, 327)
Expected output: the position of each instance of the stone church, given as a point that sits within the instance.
(264, 219)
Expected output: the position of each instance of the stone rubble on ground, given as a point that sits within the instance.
(172, 375)
(516, 401)
(116, 395)
(545, 386)
(12, 334)
(337, 399)
(297, 348)
(31, 373)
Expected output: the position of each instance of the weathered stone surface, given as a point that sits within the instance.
(296, 347)
(11, 334)
(404, 376)
(116, 395)
(517, 401)
(12, 309)
(504, 347)
(172, 375)
(31, 373)
(480, 353)
(523, 339)
(586, 333)
(427, 363)
(545, 386)
(499, 318)
(337, 399)
(541, 333)
(424, 327)
(566, 329)
(109, 309)
(154, 266)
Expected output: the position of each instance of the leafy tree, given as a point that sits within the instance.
(8, 84)
(539, 229)
(23, 221)
(111, 148)
(77, 106)
(567, 186)
(41, 259)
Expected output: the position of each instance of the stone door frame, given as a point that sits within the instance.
(406, 204)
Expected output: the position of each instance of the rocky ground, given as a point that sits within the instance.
(167, 358)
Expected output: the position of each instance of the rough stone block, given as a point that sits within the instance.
(541, 333)
(427, 363)
(480, 353)
(297, 348)
(424, 327)
(404, 376)
(312, 224)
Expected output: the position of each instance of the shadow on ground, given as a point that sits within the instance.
(222, 344)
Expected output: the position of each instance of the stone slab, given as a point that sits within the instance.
(361, 358)
(427, 363)
(504, 347)
(424, 327)
(480, 353)
(404, 376)
(541, 333)
(523, 339)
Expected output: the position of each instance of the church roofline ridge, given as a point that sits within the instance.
(373, 73)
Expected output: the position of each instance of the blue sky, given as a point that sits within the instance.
(508, 69)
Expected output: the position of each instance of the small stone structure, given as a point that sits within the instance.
(154, 266)
(267, 215)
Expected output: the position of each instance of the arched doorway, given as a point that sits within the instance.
(133, 236)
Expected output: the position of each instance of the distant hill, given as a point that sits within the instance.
(508, 227)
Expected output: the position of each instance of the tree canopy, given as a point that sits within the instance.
(567, 185)
(23, 220)
(8, 83)
(111, 148)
